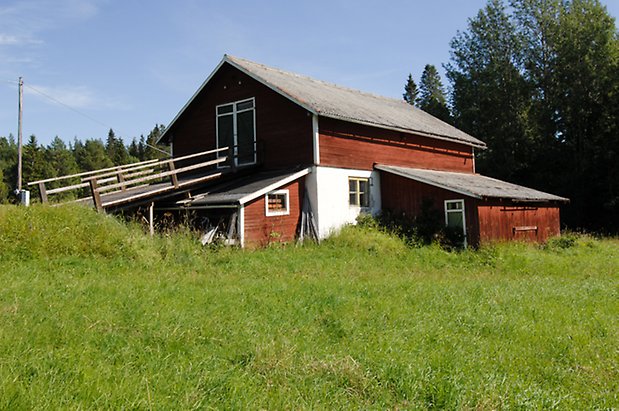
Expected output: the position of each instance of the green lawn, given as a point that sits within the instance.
(95, 314)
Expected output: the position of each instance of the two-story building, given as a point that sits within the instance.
(310, 156)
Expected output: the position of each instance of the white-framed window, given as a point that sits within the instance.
(277, 203)
(455, 216)
(359, 192)
(236, 127)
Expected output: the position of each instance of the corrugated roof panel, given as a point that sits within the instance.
(331, 100)
(473, 185)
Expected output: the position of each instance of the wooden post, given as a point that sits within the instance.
(96, 196)
(232, 159)
(121, 179)
(173, 176)
(151, 216)
(43, 192)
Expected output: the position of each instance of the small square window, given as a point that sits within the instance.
(359, 192)
(277, 203)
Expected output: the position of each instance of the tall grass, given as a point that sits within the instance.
(95, 314)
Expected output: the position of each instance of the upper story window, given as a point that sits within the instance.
(236, 128)
(359, 192)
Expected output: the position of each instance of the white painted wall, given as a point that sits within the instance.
(328, 191)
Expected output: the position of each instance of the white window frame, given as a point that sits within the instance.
(234, 114)
(461, 201)
(270, 213)
(358, 192)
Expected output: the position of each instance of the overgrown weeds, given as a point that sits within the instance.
(96, 314)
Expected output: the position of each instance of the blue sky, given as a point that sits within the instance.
(131, 64)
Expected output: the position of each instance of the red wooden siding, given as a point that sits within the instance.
(261, 229)
(284, 128)
(404, 195)
(500, 222)
(350, 145)
(486, 221)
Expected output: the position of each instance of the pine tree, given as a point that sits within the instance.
(432, 95)
(150, 151)
(410, 91)
(116, 150)
(8, 165)
(91, 155)
(61, 160)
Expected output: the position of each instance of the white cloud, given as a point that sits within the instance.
(12, 40)
(75, 97)
(24, 21)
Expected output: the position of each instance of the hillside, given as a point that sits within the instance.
(96, 314)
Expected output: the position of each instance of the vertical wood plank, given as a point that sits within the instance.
(96, 196)
(43, 192)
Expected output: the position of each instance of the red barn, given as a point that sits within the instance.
(310, 156)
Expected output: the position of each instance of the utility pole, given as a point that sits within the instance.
(24, 195)
(19, 135)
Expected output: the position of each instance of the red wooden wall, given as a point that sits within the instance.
(486, 221)
(401, 194)
(260, 229)
(500, 222)
(284, 128)
(351, 145)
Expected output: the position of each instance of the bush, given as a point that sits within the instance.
(426, 228)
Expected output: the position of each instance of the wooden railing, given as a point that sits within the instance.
(132, 176)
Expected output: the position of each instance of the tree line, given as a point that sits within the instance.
(538, 81)
(59, 159)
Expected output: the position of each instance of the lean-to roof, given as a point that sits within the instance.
(472, 185)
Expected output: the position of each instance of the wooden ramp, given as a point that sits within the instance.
(136, 183)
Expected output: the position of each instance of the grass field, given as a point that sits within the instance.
(95, 314)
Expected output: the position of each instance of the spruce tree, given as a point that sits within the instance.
(432, 94)
(410, 91)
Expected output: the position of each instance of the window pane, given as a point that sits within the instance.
(364, 200)
(363, 186)
(454, 205)
(352, 185)
(224, 109)
(224, 132)
(352, 199)
(245, 136)
(455, 219)
(244, 105)
(277, 203)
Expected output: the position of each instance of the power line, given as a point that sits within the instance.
(82, 113)
(68, 106)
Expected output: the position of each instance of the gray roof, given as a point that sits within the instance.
(245, 189)
(472, 185)
(333, 101)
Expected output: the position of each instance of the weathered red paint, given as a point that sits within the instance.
(486, 221)
(350, 145)
(533, 222)
(260, 229)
